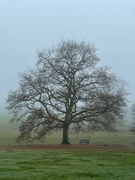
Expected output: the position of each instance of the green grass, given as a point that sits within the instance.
(67, 165)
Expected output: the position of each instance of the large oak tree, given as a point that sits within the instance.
(66, 89)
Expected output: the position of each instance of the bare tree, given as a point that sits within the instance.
(66, 89)
(133, 117)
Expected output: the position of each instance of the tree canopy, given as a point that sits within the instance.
(133, 117)
(66, 88)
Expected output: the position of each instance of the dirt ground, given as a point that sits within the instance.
(106, 147)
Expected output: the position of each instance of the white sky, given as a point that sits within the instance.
(28, 25)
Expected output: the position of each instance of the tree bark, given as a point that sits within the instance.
(65, 134)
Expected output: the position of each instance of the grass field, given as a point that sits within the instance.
(102, 161)
(8, 135)
(67, 164)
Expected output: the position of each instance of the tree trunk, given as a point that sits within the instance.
(65, 134)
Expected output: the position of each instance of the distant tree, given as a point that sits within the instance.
(66, 89)
(133, 117)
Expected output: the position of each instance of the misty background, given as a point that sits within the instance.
(30, 25)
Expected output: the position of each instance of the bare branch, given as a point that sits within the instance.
(65, 88)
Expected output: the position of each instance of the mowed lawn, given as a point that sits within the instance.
(67, 164)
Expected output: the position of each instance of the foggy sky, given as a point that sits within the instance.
(30, 25)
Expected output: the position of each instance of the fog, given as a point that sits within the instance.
(28, 26)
